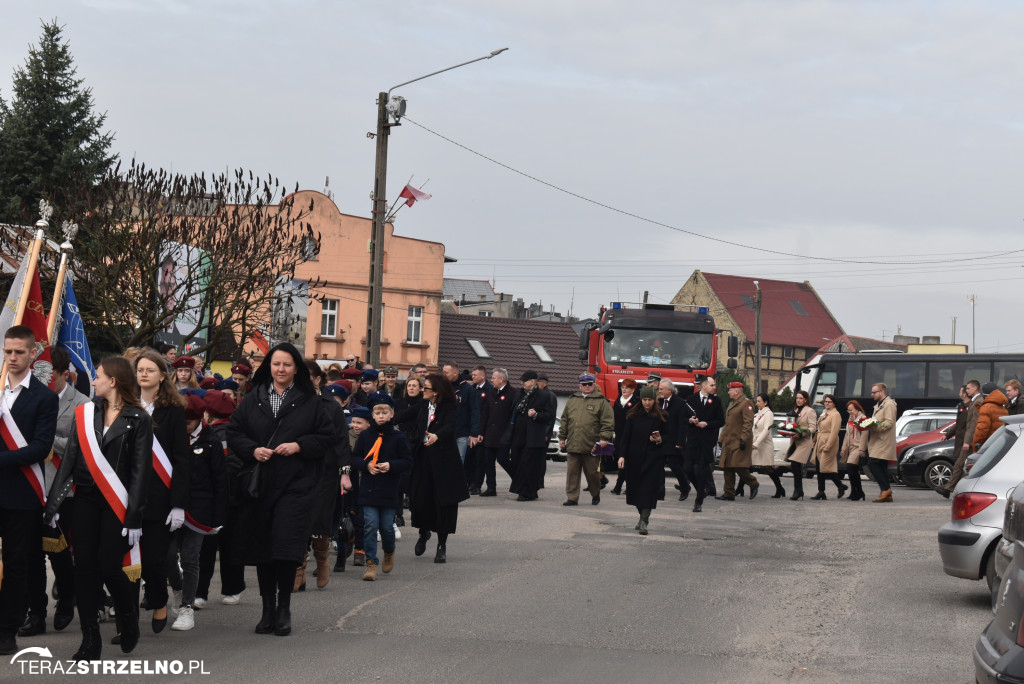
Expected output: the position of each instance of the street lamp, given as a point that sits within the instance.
(395, 107)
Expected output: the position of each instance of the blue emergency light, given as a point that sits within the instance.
(702, 309)
(616, 305)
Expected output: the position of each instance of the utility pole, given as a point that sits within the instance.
(757, 339)
(375, 295)
(954, 330)
(974, 305)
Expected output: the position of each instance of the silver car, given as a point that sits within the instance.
(968, 542)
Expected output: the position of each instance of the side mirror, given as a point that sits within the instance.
(731, 363)
(583, 355)
(734, 348)
(609, 336)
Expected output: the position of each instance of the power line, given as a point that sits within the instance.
(683, 230)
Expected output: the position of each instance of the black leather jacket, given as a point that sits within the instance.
(127, 446)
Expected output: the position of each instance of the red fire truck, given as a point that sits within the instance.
(653, 339)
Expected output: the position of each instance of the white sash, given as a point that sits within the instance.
(161, 464)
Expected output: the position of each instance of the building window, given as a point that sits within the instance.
(309, 248)
(486, 314)
(788, 352)
(765, 351)
(329, 318)
(541, 353)
(478, 348)
(798, 307)
(414, 331)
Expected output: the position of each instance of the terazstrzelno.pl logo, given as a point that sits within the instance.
(45, 664)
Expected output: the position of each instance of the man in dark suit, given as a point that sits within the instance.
(496, 429)
(477, 397)
(675, 440)
(32, 406)
(706, 418)
(55, 545)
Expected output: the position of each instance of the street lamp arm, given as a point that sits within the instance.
(496, 52)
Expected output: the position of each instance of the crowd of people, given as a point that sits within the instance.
(168, 469)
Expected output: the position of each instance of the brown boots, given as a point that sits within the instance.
(321, 545)
(388, 564)
(300, 575)
(884, 497)
(370, 574)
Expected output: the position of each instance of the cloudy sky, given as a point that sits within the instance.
(844, 133)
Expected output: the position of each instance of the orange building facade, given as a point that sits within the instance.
(335, 323)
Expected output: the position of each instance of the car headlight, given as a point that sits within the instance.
(907, 454)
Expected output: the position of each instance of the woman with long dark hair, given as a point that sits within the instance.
(167, 497)
(801, 444)
(855, 448)
(438, 480)
(109, 460)
(620, 407)
(642, 455)
(763, 457)
(281, 432)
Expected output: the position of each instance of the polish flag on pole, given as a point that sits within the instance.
(412, 195)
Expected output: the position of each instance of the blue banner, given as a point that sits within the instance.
(71, 335)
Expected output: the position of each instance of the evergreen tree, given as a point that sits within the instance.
(51, 142)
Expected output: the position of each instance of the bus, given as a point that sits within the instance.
(681, 346)
(914, 380)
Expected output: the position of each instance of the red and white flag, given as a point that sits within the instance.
(413, 195)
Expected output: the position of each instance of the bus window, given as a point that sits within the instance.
(903, 378)
(826, 385)
(946, 377)
(1009, 370)
(853, 383)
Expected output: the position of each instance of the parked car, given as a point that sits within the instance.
(925, 437)
(1012, 533)
(553, 451)
(918, 420)
(999, 651)
(968, 542)
(927, 465)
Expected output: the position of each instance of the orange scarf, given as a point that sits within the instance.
(374, 451)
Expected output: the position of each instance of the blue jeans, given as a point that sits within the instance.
(375, 519)
(463, 444)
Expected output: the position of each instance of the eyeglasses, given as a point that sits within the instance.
(428, 387)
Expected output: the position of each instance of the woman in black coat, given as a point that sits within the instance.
(283, 428)
(620, 407)
(100, 537)
(642, 456)
(438, 480)
(408, 405)
(534, 410)
(165, 506)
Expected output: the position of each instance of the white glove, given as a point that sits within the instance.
(176, 518)
(133, 535)
(53, 523)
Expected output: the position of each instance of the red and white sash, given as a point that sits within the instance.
(196, 526)
(106, 479)
(161, 464)
(14, 440)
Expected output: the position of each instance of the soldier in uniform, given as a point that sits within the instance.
(737, 441)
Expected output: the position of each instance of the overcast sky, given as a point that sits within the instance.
(863, 131)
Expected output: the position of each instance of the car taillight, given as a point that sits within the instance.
(969, 504)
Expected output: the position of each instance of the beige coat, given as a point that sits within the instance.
(803, 447)
(882, 439)
(764, 448)
(856, 442)
(826, 441)
(739, 427)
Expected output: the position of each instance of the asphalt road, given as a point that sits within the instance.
(752, 591)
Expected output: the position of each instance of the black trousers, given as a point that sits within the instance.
(232, 575)
(485, 466)
(156, 550)
(473, 454)
(63, 571)
(677, 464)
(99, 554)
(695, 465)
(880, 469)
(22, 535)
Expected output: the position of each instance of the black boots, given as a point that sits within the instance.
(440, 556)
(421, 543)
(267, 622)
(645, 516)
(776, 479)
(92, 645)
(283, 622)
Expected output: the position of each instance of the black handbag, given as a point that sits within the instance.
(249, 480)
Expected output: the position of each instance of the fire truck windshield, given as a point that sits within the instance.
(673, 348)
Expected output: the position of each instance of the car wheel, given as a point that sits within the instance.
(938, 474)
